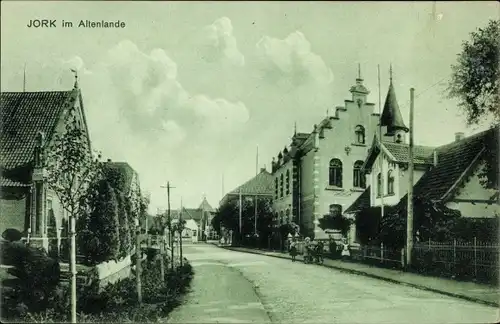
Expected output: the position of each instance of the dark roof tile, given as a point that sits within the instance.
(454, 160)
(261, 184)
(363, 201)
(23, 115)
(421, 154)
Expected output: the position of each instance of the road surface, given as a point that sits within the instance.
(237, 287)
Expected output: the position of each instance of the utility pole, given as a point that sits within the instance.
(381, 158)
(409, 220)
(181, 227)
(255, 223)
(257, 161)
(162, 248)
(169, 223)
(240, 214)
(73, 269)
(24, 78)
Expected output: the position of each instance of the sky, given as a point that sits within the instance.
(188, 92)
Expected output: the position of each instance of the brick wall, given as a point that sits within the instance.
(12, 211)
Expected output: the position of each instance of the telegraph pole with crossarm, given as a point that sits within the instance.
(169, 223)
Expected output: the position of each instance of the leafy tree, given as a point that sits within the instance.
(338, 222)
(104, 225)
(227, 216)
(71, 168)
(475, 78)
(125, 237)
(475, 83)
(430, 221)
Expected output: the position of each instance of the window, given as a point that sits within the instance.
(358, 176)
(360, 134)
(281, 186)
(335, 210)
(379, 185)
(281, 217)
(335, 178)
(390, 183)
(288, 215)
(276, 185)
(287, 182)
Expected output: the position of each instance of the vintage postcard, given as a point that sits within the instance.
(249, 161)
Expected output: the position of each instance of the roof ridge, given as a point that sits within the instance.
(469, 138)
(40, 91)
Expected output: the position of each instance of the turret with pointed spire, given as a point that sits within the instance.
(391, 115)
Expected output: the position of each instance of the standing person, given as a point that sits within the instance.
(307, 251)
(293, 249)
(345, 250)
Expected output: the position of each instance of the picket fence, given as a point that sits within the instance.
(473, 260)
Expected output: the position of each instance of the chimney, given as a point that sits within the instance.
(262, 170)
(459, 136)
(435, 158)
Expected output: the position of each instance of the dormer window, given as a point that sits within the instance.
(399, 138)
(360, 134)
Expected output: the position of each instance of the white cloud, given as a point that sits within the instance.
(292, 58)
(75, 63)
(219, 41)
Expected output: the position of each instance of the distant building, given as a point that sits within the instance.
(30, 120)
(320, 172)
(197, 220)
(255, 189)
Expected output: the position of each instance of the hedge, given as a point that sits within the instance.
(117, 302)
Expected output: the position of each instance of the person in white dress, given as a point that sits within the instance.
(345, 250)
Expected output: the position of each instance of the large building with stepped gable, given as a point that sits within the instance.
(320, 173)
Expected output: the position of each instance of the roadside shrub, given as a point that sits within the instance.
(39, 275)
(117, 302)
(12, 235)
(12, 253)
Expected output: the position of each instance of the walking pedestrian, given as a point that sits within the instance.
(293, 249)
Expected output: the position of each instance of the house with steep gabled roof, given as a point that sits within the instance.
(449, 175)
(260, 186)
(29, 121)
(197, 219)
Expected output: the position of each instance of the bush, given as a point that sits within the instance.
(39, 275)
(115, 303)
(12, 235)
(105, 225)
(125, 237)
(13, 253)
